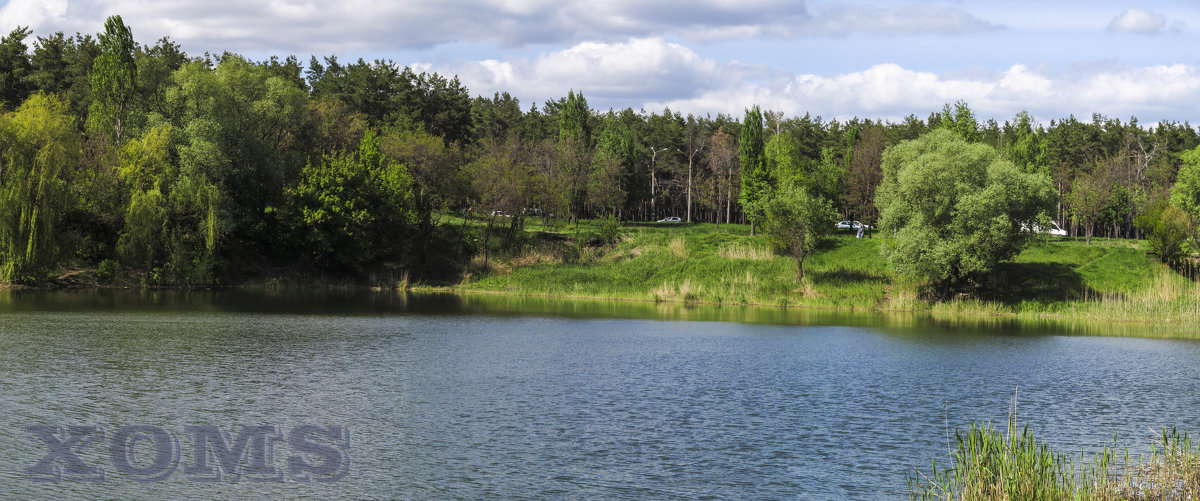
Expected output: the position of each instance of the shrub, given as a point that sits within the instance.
(1167, 229)
(107, 271)
(608, 229)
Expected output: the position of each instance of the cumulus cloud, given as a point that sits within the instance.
(636, 70)
(30, 13)
(324, 26)
(1141, 22)
(888, 91)
(652, 74)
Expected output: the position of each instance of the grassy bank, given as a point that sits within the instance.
(1111, 280)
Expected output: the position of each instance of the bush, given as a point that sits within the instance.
(107, 271)
(608, 230)
(1167, 229)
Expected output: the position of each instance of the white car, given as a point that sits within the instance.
(671, 219)
(1053, 230)
(852, 225)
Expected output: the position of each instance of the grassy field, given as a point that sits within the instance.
(1057, 278)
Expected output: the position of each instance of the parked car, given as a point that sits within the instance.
(852, 225)
(500, 213)
(671, 219)
(1053, 230)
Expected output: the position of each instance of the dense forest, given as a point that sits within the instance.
(198, 170)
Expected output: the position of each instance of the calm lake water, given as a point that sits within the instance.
(477, 397)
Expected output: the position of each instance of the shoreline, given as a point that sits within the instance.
(1068, 323)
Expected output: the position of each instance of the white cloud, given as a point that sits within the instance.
(1140, 22)
(888, 91)
(652, 74)
(326, 26)
(626, 72)
(30, 13)
(912, 19)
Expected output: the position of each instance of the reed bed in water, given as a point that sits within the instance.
(1014, 465)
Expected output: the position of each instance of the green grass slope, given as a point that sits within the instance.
(1054, 277)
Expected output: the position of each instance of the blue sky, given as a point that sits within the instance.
(871, 59)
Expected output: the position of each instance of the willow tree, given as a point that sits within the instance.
(171, 222)
(39, 150)
(956, 208)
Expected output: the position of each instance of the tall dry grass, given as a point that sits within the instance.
(744, 251)
(678, 247)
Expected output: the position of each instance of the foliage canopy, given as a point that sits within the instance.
(956, 208)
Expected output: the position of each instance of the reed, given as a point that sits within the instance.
(1014, 465)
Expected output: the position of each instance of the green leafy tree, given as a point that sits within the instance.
(505, 181)
(1091, 196)
(146, 169)
(864, 175)
(756, 179)
(956, 208)
(1027, 148)
(604, 190)
(172, 222)
(961, 120)
(1186, 192)
(574, 143)
(114, 81)
(573, 119)
(438, 180)
(50, 65)
(155, 74)
(783, 158)
(717, 192)
(495, 117)
(663, 137)
(242, 128)
(353, 208)
(61, 66)
(1167, 228)
(795, 221)
(616, 156)
(40, 151)
(15, 68)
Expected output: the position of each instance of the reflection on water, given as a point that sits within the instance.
(292, 301)
(480, 396)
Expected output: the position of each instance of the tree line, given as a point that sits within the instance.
(196, 168)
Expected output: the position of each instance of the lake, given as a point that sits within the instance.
(476, 397)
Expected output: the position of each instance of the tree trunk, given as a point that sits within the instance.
(728, 205)
(462, 232)
(728, 195)
(689, 191)
(486, 235)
